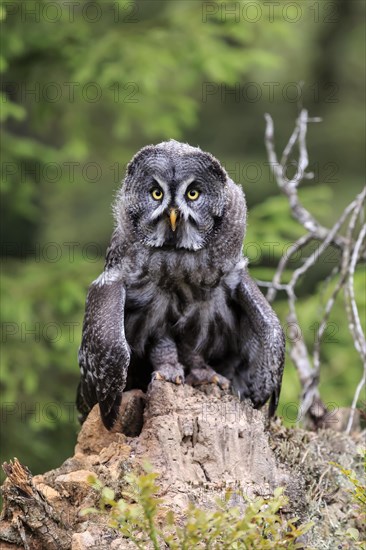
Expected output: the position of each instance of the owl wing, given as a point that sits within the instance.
(104, 354)
(262, 345)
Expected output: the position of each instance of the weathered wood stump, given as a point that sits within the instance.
(201, 443)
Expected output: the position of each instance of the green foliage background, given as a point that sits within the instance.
(84, 86)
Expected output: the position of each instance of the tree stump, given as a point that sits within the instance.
(201, 443)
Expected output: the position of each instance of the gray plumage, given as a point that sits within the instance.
(175, 300)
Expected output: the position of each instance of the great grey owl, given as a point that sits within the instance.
(175, 300)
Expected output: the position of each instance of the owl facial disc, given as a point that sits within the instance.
(174, 196)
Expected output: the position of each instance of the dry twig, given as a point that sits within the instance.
(353, 251)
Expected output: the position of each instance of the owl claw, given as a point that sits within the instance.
(221, 381)
(177, 379)
(203, 376)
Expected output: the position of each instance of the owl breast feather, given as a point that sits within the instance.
(189, 306)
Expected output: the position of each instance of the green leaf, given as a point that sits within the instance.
(107, 493)
(353, 533)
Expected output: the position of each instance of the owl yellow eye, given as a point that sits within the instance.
(157, 194)
(193, 194)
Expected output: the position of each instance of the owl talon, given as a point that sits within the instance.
(167, 376)
(204, 376)
(221, 381)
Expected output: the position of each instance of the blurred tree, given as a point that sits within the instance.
(80, 84)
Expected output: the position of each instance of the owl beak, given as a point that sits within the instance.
(173, 218)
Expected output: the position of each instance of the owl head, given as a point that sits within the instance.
(174, 196)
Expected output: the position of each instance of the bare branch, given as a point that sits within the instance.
(349, 264)
(290, 145)
(303, 153)
(323, 324)
(358, 332)
(324, 245)
(289, 187)
(352, 252)
(360, 385)
(295, 247)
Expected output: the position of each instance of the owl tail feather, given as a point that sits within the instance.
(81, 404)
(273, 403)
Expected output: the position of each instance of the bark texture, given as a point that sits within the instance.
(200, 442)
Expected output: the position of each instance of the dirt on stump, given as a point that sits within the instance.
(201, 443)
